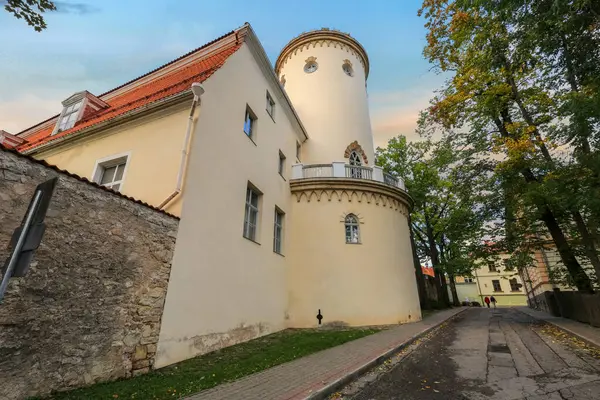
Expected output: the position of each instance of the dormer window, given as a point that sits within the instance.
(76, 107)
(69, 117)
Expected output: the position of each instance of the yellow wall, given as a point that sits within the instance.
(223, 288)
(466, 291)
(506, 297)
(155, 144)
(357, 284)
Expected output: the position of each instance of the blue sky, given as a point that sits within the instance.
(97, 45)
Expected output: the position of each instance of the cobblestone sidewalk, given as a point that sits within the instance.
(311, 376)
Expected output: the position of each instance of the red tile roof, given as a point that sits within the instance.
(143, 93)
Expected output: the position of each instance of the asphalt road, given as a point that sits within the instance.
(496, 354)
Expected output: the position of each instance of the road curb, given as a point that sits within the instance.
(586, 339)
(339, 383)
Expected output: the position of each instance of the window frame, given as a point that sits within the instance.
(469, 280)
(278, 223)
(281, 164)
(250, 115)
(494, 285)
(248, 206)
(63, 114)
(492, 267)
(270, 104)
(108, 162)
(515, 287)
(352, 239)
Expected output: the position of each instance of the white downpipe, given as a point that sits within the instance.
(198, 91)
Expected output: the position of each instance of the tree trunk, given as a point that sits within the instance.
(588, 244)
(581, 280)
(445, 294)
(435, 261)
(423, 297)
(455, 299)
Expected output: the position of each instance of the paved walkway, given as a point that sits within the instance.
(307, 377)
(497, 354)
(584, 331)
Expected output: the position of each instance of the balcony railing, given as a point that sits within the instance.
(343, 170)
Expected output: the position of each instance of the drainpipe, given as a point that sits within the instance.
(198, 90)
(479, 286)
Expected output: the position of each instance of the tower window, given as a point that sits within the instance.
(352, 230)
(311, 65)
(347, 68)
(355, 159)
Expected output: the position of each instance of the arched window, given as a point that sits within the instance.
(355, 159)
(355, 165)
(352, 230)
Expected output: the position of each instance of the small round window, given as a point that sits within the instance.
(311, 67)
(348, 69)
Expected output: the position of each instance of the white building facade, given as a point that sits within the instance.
(302, 220)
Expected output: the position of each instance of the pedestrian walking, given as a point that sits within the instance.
(487, 301)
(493, 300)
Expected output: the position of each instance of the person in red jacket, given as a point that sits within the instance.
(487, 301)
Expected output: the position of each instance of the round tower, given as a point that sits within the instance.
(324, 73)
(350, 256)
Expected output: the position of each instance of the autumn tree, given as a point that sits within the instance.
(517, 95)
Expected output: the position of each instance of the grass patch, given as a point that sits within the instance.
(212, 369)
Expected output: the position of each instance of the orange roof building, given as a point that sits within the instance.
(271, 171)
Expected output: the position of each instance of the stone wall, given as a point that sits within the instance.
(89, 309)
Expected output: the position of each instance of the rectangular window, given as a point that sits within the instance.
(69, 117)
(492, 267)
(249, 123)
(270, 105)
(251, 214)
(278, 231)
(496, 284)
(514, 285)
(469, 280)
(281, 166)
(111, 172)
(298, 147)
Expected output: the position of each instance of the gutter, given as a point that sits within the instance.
(197, 90)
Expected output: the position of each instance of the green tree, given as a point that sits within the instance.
(501, 102)
(447, 219)
(31, 11)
